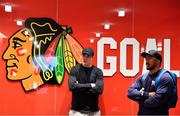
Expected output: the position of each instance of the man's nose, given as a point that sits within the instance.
(7, 55)
(147, 62)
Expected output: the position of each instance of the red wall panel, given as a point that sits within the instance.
(157, 19)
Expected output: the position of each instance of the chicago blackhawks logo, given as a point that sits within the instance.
(40, 52)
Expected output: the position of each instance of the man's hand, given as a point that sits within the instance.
(151, 94)
(93, 85)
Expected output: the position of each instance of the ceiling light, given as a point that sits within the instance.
(106, 26)
(19, 22)
(91, 40)
(121, 13)
(98, 34)
(8, 8)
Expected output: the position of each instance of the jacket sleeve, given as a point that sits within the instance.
(74, 85)
(161, 94)
(98, 89)
(134, 90)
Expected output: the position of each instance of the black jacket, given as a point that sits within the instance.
(84, 97)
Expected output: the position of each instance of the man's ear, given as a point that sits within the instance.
(158, 61)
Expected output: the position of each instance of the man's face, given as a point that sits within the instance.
(18, 57)
(151, 62)
(87, 60)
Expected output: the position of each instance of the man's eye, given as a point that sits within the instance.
(16, 45)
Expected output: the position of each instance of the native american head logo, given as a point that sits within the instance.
(39, 53)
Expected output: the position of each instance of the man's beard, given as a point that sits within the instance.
(151, 67)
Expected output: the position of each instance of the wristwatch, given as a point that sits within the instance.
(142, 91)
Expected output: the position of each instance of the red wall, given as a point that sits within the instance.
(157, 19)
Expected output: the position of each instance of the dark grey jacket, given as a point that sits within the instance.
(84, 97)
